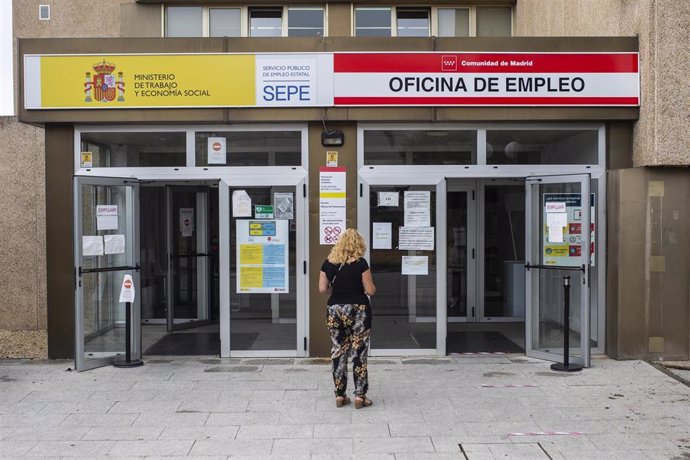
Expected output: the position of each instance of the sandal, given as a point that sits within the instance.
(340, 401)
(362, 402)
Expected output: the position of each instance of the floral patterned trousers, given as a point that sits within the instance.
(350, 328)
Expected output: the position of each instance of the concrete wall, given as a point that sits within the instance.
(22, 239)
(662, 135)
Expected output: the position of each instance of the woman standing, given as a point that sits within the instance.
(346, 275)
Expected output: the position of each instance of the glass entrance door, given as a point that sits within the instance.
(558, 245)
(400, 223)
(263, 267)
(104, 249)
(188, 257)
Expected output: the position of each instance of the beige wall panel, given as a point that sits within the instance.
(140, 20)
(339, 20)
(22, 241)
(652, 299)
(320, 343)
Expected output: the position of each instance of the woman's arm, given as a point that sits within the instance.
(368, 282)
(324, 284)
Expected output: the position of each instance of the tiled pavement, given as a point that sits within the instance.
(455, 407)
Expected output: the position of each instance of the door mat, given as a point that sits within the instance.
(198, 343)
(480, 341)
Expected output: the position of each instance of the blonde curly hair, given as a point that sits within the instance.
(350, 245)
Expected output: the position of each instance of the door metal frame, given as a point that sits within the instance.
(295, 177)
(365, 182)
(532, 205)
(81, 362)
(202, 235)
(473, 252)
(481, 259)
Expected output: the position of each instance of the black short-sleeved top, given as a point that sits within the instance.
(348, 286)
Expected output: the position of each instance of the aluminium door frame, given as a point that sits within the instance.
(585, 282)
(473, 286)
(82, 363)
(375, 175)
(294, 177)
(203, 283)
(481, 255)
(365, 182)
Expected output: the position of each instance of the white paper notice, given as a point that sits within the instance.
(389, 199)
(555, 221)
(332, 202)
(114, 244)
(555, 206)
(415, 265)
(418, 209)
(106, 217)
(416, 238)
(217, 151)
(284, 205)
(92, 245)
(186, 221)
(127, 291)
(241, 204)
(382, 237)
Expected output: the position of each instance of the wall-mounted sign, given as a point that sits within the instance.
(186, 222)
(86, 160)
(562, 234)
(241, 204)
(332, 158)
(332, 204)
(284, 205)
(484, 79)
(107, 81)
(106, 217)
(263, 211)
(262, 256)
(217, 148)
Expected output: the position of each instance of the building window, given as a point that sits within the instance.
(276, 21)
(420, 147)
(225, 22)
(412, 22)
(305, 22)
(184, 21)
(135, 149)
(542, 146)
(494, 22)
(265, 22)
(453, 22)
(373, 22)
(253, 148)
(44, 12)
(467, 21)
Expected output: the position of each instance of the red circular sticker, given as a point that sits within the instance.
(216, 146)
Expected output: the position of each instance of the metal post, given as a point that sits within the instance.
(566, 366)
(128, 341)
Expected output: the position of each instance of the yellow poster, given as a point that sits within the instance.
(121, 81)
(251, 277)
(251, 254)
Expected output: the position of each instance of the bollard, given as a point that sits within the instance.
(128, 362)
(566, 366)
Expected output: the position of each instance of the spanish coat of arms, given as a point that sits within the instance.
(104, 85)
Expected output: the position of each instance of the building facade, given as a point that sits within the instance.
(147, 133)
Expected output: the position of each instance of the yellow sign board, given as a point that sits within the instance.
(121, 81)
